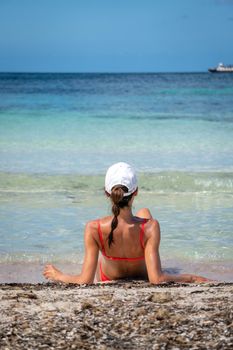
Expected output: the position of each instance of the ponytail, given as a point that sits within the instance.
(118, 202)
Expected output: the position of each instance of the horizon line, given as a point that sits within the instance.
(101, 72)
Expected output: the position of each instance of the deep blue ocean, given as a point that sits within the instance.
(60, 132)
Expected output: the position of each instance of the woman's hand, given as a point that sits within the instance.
(200, 279)
(52, 273)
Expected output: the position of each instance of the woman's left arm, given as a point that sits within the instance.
(89, 266)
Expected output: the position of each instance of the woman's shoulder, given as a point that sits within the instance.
(92, 228)
(151, 223)
(93, 224)
(152, 228)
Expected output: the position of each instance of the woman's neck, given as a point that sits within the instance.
(126, 214)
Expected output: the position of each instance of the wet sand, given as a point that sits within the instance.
(120, 315)
(32, 272)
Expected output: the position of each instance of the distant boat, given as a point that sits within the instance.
(221, 68)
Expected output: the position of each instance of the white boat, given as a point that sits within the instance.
(221, 68)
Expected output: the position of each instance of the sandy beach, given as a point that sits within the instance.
(121, 315)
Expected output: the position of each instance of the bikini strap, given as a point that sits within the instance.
(101, 237)
(142, 234)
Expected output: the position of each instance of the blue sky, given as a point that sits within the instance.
(115, 35)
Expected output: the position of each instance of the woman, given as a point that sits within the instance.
(129, 244)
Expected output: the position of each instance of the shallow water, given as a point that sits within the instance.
(59, 133)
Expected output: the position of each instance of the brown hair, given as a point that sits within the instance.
(118, 202)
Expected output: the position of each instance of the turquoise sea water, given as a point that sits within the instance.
(60, 132)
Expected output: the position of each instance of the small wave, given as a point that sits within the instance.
(160, 182)
(176, 182)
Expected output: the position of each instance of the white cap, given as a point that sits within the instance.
(121, 174)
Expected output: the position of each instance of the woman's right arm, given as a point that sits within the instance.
(153, 263)
(89, 266)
